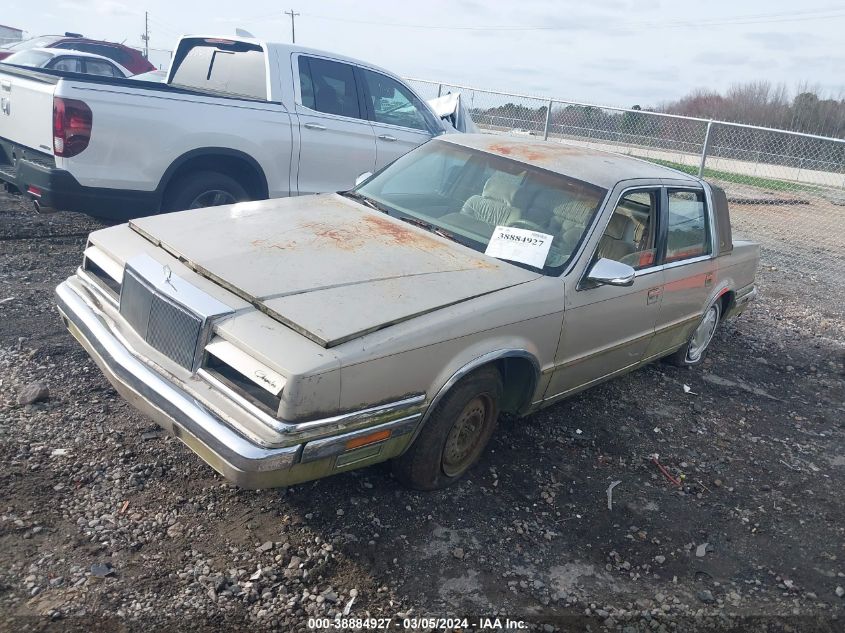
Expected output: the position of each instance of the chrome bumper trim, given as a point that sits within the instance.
(229, 453)
(331, 446)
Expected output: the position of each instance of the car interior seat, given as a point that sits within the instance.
(618, 239)
(495, 204)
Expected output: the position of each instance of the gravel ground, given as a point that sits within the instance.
(108, 524)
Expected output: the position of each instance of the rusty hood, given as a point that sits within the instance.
(328, 267)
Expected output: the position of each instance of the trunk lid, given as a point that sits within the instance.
(329, 268)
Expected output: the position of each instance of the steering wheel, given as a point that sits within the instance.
(528, 225)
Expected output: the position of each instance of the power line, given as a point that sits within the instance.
(761, 18)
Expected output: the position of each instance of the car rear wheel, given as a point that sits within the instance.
(204, 189)
(455, 435)
(696, 348)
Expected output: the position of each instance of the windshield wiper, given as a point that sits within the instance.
(354, 195)
(430, 228)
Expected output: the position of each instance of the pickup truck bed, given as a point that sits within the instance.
(271, 120)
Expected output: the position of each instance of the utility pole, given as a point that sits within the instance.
(146, 36)
(292, 25)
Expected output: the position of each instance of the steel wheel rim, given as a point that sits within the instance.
(464, 440)
(212, 198)
(703, 334)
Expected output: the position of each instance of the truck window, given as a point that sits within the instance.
(392, 102)
(232, 68)
(328, 87)
(688, 230)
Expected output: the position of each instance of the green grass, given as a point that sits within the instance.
(743, 179)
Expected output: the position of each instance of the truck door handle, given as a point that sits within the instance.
(653, 295)
(387, 137)
(315, 126)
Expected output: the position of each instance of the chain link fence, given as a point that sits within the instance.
(787, 190)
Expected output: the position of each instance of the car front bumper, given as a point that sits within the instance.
(237, 458)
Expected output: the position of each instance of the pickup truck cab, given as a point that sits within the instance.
(288, 340)
(237, 119)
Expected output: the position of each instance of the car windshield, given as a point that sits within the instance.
(511, 210)
(29, 58)
(36, 42)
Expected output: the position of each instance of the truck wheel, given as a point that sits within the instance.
(204, 189)
(455, 434)
(696, 348)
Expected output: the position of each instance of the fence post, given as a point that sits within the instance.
(704, 148)
(548, 119)
(439, 90)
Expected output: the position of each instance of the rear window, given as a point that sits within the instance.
(231, 68)
(36, 59)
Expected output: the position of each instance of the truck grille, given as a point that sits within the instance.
(162, 323)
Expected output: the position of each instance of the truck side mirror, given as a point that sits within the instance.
(611, 273)
(362, 177)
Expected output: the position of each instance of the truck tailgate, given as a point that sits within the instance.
(26, 111)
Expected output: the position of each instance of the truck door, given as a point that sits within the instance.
(337, 143)
(400, 120)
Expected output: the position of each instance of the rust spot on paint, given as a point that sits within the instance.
(400, 234)
(339, 236)
(531, 152)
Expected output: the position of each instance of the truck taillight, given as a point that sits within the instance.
(72, 120)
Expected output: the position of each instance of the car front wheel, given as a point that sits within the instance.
(455, 435)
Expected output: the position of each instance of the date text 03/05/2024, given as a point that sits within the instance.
(419, 623)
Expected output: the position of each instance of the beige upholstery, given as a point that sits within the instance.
(618, 238)
(495, 204)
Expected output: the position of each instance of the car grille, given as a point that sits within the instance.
(165, 325)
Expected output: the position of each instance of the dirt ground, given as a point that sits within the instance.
(107, 524)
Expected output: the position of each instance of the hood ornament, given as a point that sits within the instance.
(167, 274)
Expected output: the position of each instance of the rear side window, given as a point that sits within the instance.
(329, 87)
(101, 68)
(688, 230)
(232, 68)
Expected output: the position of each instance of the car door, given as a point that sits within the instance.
(400, 120)
(688, 264)
(607, 329)
(337, 143)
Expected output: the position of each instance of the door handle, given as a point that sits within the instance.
(387, 137)
(708, 279)
(653, 295)
(315, 126)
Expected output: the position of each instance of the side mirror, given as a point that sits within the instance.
(362, 177)
(611, 273)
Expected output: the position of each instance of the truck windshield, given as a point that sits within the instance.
(479, 199)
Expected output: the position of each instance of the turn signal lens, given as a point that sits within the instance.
(364, 440)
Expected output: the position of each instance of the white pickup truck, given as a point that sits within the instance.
(237, 119)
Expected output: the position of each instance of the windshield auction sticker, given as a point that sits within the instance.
(520, 245)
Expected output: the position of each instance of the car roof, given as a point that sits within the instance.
(72, 52)
(597, 167)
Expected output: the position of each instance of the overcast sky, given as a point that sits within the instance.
(618, 52)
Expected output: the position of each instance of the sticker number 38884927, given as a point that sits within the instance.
(520, 245)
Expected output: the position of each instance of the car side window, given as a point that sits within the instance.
(688, 232)
(101, 68)
(392, 102)
(69, 64)
(631, 235)
(329, 87)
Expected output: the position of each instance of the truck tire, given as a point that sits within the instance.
(695, 349)
(455, 435)
(203, 189)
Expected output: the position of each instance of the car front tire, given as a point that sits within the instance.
(455, 435)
